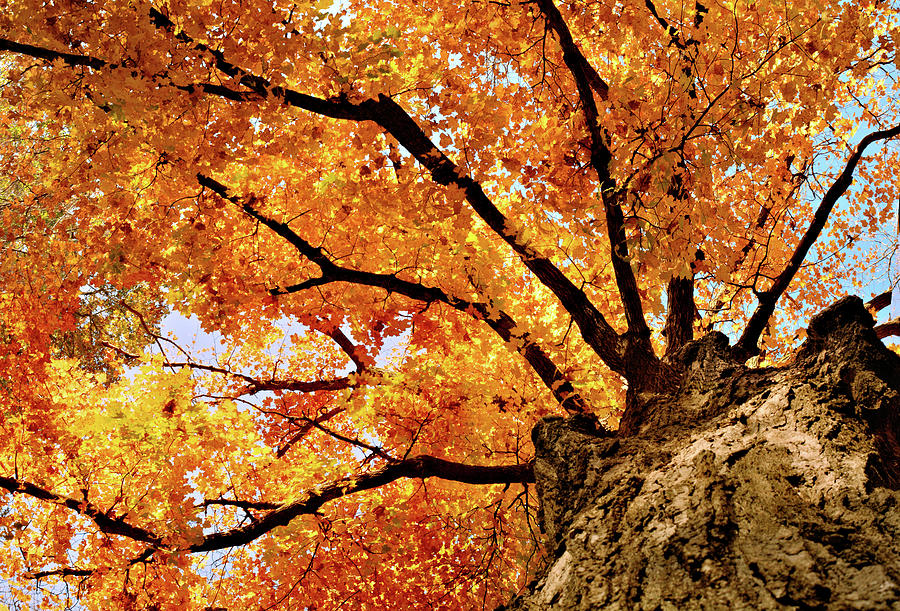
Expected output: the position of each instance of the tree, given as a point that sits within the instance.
(536, 205)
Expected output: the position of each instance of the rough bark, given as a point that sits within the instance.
(749, 489)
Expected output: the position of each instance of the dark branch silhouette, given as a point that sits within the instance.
(747, 345)
(641, 365)
(420, 467)
(384, 111)
(496, 319)
(417, 467)
(256, 385)
(679, 328)
(106, 521)
(594, 328)
(888, 329)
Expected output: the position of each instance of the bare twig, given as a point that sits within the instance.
(255, 385)
(421, 467)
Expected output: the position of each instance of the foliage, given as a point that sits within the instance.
(411, 231)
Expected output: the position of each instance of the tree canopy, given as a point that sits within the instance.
(408, 231)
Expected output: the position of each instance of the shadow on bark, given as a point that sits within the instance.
(748, 489)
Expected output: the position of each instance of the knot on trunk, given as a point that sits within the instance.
(706, 370)
(705, 363)
(843, 333)
(843, 355)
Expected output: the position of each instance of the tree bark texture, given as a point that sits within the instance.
(747, 489)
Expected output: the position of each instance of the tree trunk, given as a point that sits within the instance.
(748, 489)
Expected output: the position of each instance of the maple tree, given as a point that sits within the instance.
(533, 204)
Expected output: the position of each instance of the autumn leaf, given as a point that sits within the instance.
(285, 286)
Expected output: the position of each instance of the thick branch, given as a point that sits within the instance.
(306, 386)
(497, 319)
(107, 523)
(681, 309)
(418, 467)
(601, 157)
(597, 332)
(747, 345)
(95, 63)
(350, 349)
(879, 302)
(280, 515)
(64, 572)
(246, 505)
(594, 328)
(888, 329)
(679, 329)
(69, 59)
(259, 87)
(335, 108)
